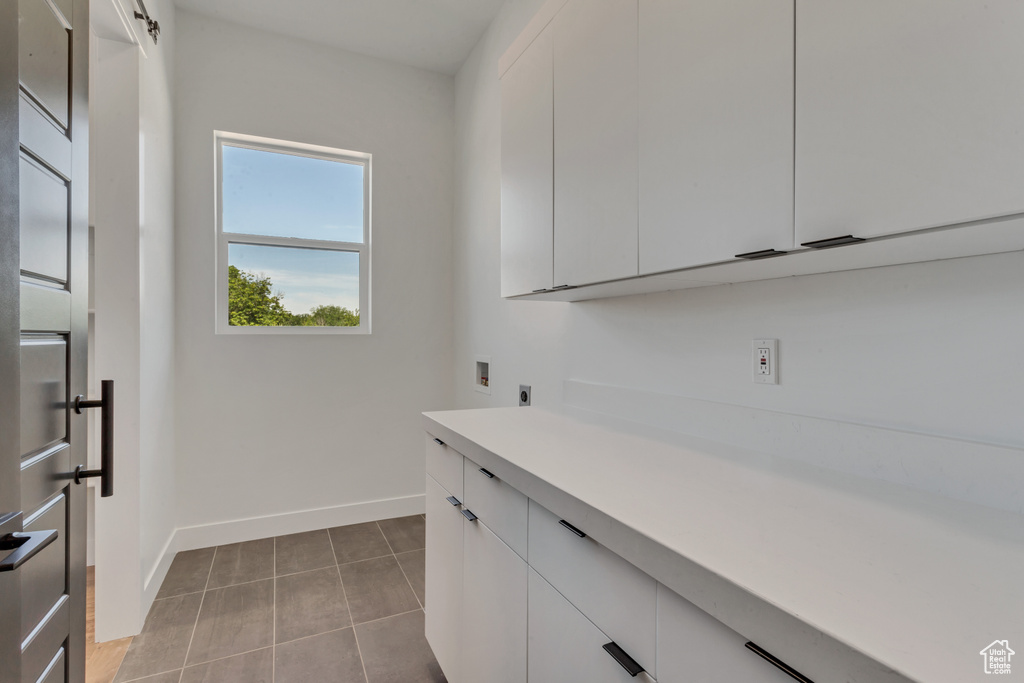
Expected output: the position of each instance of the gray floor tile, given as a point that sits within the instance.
(303, 552)
(309, 603)
(395, 651)
(358, 542)
(169, 677)
(234, 620)
(414, 565)
(330, 656)
(188, 573)
(405, 533)
(252, 667)
(243, 562)
(163, 642)
(376, 589)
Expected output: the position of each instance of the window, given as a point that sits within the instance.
(293, 238)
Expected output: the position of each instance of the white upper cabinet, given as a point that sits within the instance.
(595, 87)
(909, 114)
(527, 171)
(716, 130)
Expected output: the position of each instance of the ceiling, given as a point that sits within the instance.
(429, 34)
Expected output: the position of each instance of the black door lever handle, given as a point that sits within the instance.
(25, 545)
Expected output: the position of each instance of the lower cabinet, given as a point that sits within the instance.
(564, 644)
(694, 647)
(562, 609)
(493, 608)
(443, 606)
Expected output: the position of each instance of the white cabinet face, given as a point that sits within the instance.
(527, 170)
(694, 647)
(716, 130)
(494, 609)
(613, 593)
(444, 580)
(444, 464)
(908, 114)
(565, 645)
(595, 46)
(502, 508)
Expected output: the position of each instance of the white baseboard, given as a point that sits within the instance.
(252, 528)
(151, 584)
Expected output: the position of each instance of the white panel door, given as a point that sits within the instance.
(595, 141)
(716, 130)
(527, 171)
(694, 647)
(494, 609)
(443, 599)
(565, 645)
(908, 114)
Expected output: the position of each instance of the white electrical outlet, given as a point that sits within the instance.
(766, 361)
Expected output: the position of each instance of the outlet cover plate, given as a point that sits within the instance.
(524, 394)
(765, 357)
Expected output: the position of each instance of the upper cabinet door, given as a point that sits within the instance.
(527, 171)
(909, 114)
(595, 141)
(716, 130)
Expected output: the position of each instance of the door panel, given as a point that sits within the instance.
(45, 641)
(44, 55)
(44, 95)
(42, 579)
(44, 393)
(55, 671)
(44, 222)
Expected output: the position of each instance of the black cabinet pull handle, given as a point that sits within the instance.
(453, 500)
(106, 470)
(763, 253)
(571, 528)
(624, 660)
(833, 242)
(486, 473)
(25, 545)
(439, 442)
(778, 663)
(469, 515)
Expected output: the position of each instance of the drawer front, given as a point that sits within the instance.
(503, 509)
(443, 600)
(694, 647)
(444, 464)
(619, 598)
(494, 609)
(564, 645)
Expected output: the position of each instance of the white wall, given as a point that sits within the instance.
(272, 426)
(928, 347)
(133, 210)
(157, 483)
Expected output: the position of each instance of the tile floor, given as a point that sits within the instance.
(342, 604)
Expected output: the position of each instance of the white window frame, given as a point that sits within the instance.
(224, 239)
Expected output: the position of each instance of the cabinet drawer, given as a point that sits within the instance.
(503, 509)
(619, 598)
(694, 647)
(566, 646)
(444, 464)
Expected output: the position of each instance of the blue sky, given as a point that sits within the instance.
(282, 195)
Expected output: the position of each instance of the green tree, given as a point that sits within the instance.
(251, 301)
(329, 315)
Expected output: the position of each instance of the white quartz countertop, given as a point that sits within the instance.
(914, 583)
